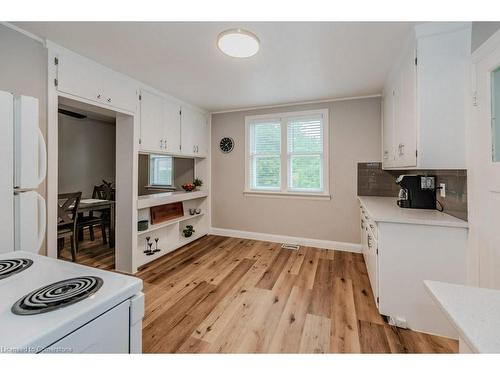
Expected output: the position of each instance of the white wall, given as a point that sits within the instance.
(86, 154)
(355, 136)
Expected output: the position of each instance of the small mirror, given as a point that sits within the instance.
(495, 115)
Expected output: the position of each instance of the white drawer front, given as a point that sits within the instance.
(109, 333)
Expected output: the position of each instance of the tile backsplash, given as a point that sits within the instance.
(374, 181)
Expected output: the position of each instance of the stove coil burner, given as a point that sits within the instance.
(9, 267)
(57, 295)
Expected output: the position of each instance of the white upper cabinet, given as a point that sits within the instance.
(194, 132)
(424, 100)
(388, 151)
(84, 78)
(160, 123)
(172, 117)
(152, 122)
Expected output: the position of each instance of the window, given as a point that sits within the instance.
(160, 170)
(287, 153)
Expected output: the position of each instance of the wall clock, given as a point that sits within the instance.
(226, 145)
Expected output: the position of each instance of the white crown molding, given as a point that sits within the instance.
(24, 32)
(298, 103)
(323, 244)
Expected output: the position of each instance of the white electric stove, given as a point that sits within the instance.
(53, 306)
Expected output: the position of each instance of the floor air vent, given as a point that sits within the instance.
(289, 246)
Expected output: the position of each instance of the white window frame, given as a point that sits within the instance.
(285, 191)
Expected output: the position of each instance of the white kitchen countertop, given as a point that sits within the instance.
(475, 313)
(385, 209)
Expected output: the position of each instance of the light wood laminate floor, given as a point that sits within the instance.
(228, 295)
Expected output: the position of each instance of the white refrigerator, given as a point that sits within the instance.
(23, 166)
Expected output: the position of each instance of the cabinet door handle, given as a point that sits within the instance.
(99, 96)
(401, 149)
(109, 100)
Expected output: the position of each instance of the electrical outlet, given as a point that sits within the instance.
(442, 191)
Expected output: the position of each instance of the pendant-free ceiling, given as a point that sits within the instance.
(238, 43)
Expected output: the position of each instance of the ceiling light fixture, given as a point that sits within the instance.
(238, 43)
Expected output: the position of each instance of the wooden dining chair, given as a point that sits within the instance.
(103, 192)
(67, 209)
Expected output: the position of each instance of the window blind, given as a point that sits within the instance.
(265, 155)
(305, 153)
(160, 170)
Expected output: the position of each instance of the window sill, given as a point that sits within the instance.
(287, 195)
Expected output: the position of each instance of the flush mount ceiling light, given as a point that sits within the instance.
(238, 43)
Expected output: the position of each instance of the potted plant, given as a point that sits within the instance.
(188, 231)
(198, 182)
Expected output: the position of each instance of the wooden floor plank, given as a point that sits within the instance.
(229, 295)
(344, 332)
(316, 335)
(372, 338)
(274, 270)
(321, 296)
(289, 331)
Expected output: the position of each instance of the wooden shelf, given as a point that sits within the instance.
(145, 201)
(169, 222)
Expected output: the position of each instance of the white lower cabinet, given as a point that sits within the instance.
(399, 257)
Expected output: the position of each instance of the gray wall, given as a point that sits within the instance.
(23, 70)
(354, 137)
(481, 31)
(86, 154)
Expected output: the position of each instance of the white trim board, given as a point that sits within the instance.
(323, 244)
(292, 104)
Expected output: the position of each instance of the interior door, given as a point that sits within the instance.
(152, 122)
(172, 122)
(484, 171)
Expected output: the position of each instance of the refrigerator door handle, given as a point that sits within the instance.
(42, 157)
(42, 220)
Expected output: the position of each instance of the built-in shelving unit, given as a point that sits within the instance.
(170, 233)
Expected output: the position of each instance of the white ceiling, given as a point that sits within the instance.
(298, 61)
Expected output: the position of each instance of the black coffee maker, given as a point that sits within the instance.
(417, 191)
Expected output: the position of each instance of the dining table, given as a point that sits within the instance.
(91, 204)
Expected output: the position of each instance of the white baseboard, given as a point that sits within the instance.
(323, 244)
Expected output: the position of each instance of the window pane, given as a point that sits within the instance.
(305, 172)
(160, 172)
(266, 138)
(305, 135)
(266, 172)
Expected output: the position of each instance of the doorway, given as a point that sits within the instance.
(86, 170)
